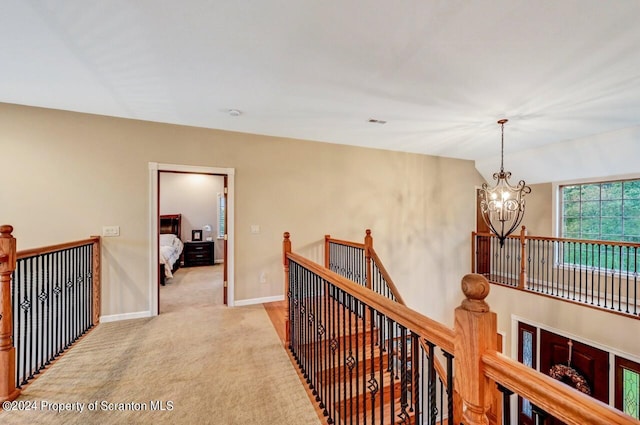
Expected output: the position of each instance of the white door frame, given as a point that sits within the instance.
(154, 169)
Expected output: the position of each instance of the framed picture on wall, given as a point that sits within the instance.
(196, 235)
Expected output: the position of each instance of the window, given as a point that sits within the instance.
(221, 215)
(606, 211)
(628, 387)
(527, 355)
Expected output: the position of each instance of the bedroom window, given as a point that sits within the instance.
(221, 215)
(606, 211)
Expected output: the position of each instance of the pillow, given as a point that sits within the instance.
(167, 239)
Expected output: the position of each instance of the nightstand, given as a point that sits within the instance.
(198, 254)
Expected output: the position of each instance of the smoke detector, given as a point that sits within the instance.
(234, 112)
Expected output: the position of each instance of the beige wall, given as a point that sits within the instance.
(68, 174)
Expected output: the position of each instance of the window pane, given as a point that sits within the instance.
(590, 226)
(632, 207)
(571, 226)
(571, 193)
(612, 226)
(631, 393)
(632, 226)
(527, 359)
(572, 209)
(591, 209)
(611, 208)
(590, 192)
(612, 190)
(632, 189)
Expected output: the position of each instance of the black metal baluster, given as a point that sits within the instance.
(635, 280)
(350, 360)
(431, 372)
(333, 346)
(404, 373)
(450, 391)
(324, 329)
(390, 345)
(45, 301)
(599, 271)
(627, 278)
(381, 321)
(32, 318)
(619, 281)
(441, 404)
(372, 383)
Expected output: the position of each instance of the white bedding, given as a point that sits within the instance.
(170, 249)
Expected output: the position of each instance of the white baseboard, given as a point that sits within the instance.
(253, 301)
(124, 316)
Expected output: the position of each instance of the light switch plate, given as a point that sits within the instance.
(255, 229)
(110, 231)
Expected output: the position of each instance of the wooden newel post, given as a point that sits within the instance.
(8, 390)
(327, 251)
(476, 328)
(368, 245)
(286, 249)
(97, 285)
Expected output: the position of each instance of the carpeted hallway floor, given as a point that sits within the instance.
(201, 362)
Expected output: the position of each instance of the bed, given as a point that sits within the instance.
(171, 246)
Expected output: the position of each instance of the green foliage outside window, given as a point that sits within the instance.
(608, 211)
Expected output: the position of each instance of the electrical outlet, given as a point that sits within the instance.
(263, 277)
(110, 231)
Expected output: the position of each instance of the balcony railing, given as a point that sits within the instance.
(599, 274)
(49, 298)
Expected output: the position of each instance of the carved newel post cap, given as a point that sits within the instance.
(476, 288)
(286, 235)
(368, 232)
(6, 230)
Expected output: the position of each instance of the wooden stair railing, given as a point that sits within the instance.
(50, 282)
(472, 343)
(386, 283)
(603, 275)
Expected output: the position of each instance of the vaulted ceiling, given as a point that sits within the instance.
(440, 73)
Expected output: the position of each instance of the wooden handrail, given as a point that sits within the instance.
(53, 248)
(547, 238)
(387, 277)
(552, 396)
(346, 243)
(430, 329)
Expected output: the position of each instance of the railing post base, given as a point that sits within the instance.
(8, 390)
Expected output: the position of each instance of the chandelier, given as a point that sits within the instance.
(502, 206)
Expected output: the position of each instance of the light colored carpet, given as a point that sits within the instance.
(209, 363)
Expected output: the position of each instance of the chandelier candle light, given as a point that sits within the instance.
(502, 206)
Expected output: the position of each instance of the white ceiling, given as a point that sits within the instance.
(441, 73)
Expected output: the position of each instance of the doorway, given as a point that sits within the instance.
(193, 251)
(199, 233)
(575, 363)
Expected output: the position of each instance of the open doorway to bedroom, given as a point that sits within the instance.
(191, 240)
(192, 222)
